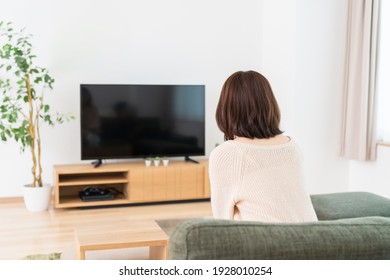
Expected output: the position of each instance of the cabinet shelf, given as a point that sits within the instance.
(95, 178)
(71, 201)
(91, 181)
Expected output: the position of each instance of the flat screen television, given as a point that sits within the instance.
(136, 121)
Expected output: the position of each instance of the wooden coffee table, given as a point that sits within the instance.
(121, 234)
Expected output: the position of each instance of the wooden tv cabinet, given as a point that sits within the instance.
(132, 182)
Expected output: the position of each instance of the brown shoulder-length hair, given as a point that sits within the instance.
(247, 107)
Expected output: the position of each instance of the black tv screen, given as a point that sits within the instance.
(134, 121)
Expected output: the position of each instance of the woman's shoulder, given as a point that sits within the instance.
(223, 151)
(223, 146)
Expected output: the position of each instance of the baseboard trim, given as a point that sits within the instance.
(13, 199)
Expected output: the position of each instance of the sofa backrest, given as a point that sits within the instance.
(207, 239)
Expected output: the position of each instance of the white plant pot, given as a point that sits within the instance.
(156, 162)
(148, 163)
(37, 199)
(165, 162)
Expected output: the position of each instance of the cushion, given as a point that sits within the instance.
(350, 205)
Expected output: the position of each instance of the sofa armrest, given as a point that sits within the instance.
(350, 205)
(358, 238)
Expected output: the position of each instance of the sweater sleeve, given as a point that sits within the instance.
(222, 183)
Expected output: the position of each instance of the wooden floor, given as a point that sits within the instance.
(24, 233)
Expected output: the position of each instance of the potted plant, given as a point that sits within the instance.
(148, 161)
(156, 161)
(23, 108)
(165, 160)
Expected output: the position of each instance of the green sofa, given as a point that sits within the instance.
(352, 225)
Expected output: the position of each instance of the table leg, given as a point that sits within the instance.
(80, 253)
(158, 252)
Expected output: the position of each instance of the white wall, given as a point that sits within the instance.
(320, 61)
(372, 176)
(303, 48)
(296, 44)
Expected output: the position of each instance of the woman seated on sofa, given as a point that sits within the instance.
(256, 174)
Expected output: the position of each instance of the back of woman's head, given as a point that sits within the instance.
(247, 107)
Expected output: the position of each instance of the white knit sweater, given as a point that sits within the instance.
(258, 183)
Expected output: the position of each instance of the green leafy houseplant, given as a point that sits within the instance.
(22, 88)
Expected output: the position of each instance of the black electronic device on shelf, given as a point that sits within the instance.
(96, 194)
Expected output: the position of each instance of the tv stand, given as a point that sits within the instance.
(187, 158)
(97, 163)
(131, 182)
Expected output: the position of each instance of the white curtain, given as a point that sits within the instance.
(358, 139)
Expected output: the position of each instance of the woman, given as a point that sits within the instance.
(256, 173)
